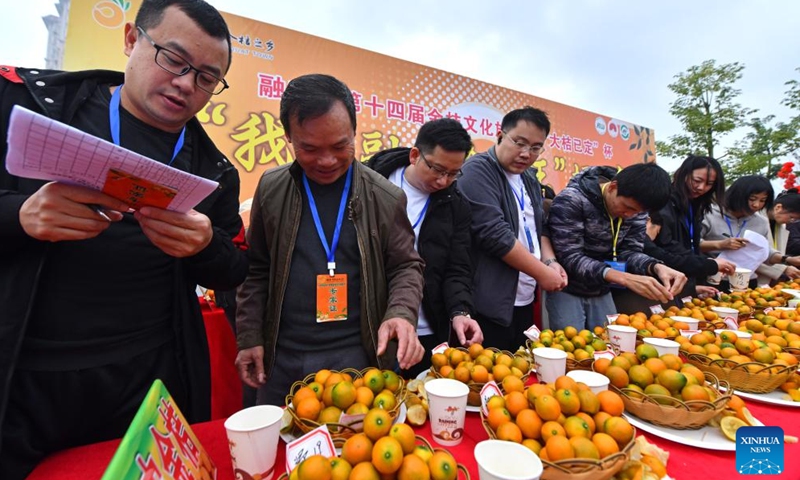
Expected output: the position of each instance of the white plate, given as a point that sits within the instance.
(707, 437)
(290, 436)
(791, 291)
(426, 373)
(777, 397)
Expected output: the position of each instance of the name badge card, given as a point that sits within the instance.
(331, 298)
(315, 442)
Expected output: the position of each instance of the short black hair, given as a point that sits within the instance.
(738, 194)
(446, 133)
(204, 15)
(681, 189)
(529, 114)
(548, 192)
(647, 183)
(312, 96)
(656, 218)
(789, 200)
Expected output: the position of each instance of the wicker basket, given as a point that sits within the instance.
(420, 440)
(474, 399)
(572, 364)
(752, 377)
(339, 432)
(580, 468)
(674, 413)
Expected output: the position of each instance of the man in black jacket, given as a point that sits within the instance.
(96, 307)
(441, 220)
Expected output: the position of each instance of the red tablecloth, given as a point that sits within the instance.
(89, 462)
(226, 388)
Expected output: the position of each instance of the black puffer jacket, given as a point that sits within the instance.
(444, 244)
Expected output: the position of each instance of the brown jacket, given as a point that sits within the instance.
(391, 270)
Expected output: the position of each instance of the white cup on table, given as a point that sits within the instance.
(502, 460)
(253, 440)
(551, 363)
(447, 409)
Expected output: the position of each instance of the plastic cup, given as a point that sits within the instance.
(623, 337)
(253, 440)
(595, 381)
(693, 323)
(447, 408)
(551, 363)
(501, 460)
(663, 346)
(740, 279)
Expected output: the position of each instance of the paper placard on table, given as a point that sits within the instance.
(159, 443)
(609, 354)
(440, 348)
(686, 299)
(732, 323)
(533, 332)
(657, 309)
(688, 333)
(45, 149)
(612, 318)
(488, 391)
(315, 442)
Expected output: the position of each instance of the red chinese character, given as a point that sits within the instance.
(608, 151)
(416, 113)
(486, 127)
(270, 86)
(470, 123)
(566, 143)
(374, 106)
(498, 127)
(454, 116)
(577, 145)
(357, 98)
(178, 431)
(166, 451)
(395, 109)
(148, 468)
(434, 114)
(589, 146)
(555, 142)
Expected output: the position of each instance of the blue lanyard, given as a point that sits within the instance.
(330, 251)
(521, 199)
(113, 118)
(730, 228)
(690, 227)
(427, 202)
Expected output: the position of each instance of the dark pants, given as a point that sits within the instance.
(293, 365)
(428, 342)
(51, 411)
(511, 337)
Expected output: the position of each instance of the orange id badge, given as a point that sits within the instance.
(331, 298)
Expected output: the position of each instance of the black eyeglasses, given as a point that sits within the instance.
(439, 171)
(177, 65)
(534, 149)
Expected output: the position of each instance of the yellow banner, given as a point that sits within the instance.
(393, 97)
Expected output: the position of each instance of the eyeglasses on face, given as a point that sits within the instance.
(439, 171)
(534, 149)
(177, 65)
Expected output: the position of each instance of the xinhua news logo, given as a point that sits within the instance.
(759, 450)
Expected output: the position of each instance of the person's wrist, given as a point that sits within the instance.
(550, 261)
(459, 313)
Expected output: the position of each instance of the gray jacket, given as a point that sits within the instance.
(495, 224)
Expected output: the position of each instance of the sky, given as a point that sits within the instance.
(615, 58)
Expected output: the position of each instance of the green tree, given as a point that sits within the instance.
(706, 108)
(758, 152)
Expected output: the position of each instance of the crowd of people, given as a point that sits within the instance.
(344, 264)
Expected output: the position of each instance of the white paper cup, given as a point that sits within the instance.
(447, 407)
(623, 337)
(253, 440)
(502, 460)
(693, 323)
(739, 333)
(551, 363)
(726, 312)
(663, 346)
(595, 381)
(740, 279)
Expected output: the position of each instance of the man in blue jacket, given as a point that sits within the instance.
(441, 219)
(598, 225)
(511, 251)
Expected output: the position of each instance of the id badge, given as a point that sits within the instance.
(331, 298)
(618, 266)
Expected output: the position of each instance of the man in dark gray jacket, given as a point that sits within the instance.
(511, 251)
(597, 225)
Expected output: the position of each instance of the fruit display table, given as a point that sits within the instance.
(685, 462)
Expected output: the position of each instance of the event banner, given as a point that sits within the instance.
(393, 97)
(160, 444)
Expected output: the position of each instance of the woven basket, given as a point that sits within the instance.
(762, 379)
(474, 399)
(339, 432)
(579, 468)
(420, 440)
(674, 413)
(572, 364)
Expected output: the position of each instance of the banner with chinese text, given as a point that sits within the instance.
(393, 97)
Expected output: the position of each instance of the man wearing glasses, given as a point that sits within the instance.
(440, 216)
(97, 306)
(511, 251)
